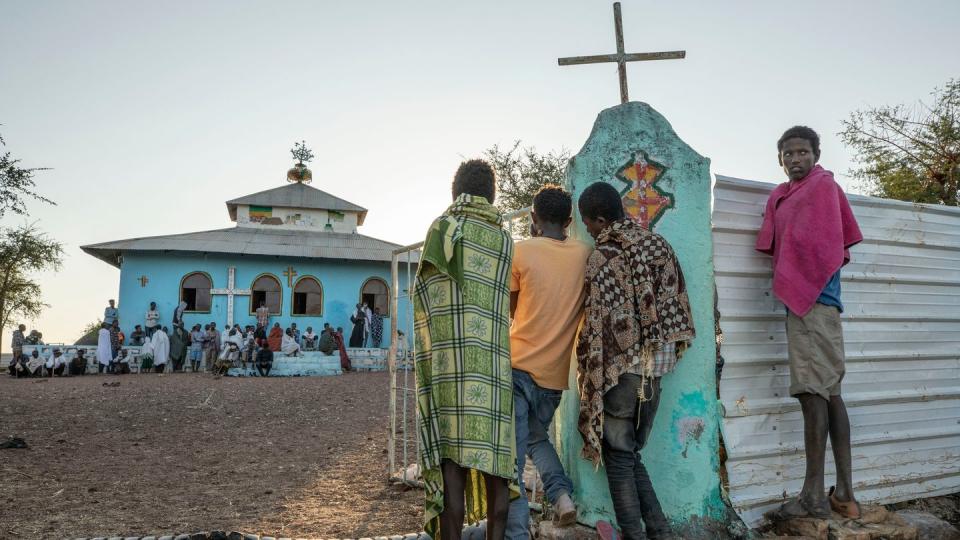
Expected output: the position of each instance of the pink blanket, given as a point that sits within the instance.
(808, 227)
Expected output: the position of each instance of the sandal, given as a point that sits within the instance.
(849, 510)
(782, 514)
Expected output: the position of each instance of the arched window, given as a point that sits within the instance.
(375, 294)
(265, 289)
(307, 297)
(195, 291)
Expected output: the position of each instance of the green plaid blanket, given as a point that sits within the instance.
(464, 380)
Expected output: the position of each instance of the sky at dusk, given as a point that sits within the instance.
(153, 114)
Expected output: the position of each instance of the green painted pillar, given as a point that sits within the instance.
(664, 183)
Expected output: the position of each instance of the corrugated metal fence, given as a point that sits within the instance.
(901, 328)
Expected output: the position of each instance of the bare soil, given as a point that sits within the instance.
(295, 457)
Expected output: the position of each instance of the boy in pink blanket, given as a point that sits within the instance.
(808, 227)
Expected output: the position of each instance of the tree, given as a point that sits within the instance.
(911, 153)
(521, 172)
(23, 250)
(16, 185)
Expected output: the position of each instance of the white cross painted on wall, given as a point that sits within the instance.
(230, 292)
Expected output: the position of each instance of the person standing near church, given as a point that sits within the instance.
(376, 328)
(179, 340)
(152, 319)
(808, 227)
(110, 313)
(464, 382)
(104, 350)
(637, 324)
(359, 321)
(196, 347)
(345, 364)
(546, 303)
(161, 349)
(17, 343)
(178, 314)
(263, 316)
(275, 338)
(115, 340)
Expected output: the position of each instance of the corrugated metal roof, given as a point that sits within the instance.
(901, 329)
(254, 241)
(297, 195)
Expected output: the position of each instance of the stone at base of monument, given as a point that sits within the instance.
(877, 523)
(550, 531)
(929, 526)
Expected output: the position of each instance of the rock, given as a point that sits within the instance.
(929, 526)
(248, 536)
(167, 537)
(132, 538)
(115, 538)
(549, 531)
(267, 538)
(217, 535)
(199, 536)
(149, 538)
(182, 537)
(234, 535)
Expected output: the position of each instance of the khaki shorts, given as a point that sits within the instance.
(815, 350)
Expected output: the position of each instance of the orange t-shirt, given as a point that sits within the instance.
(549, 276)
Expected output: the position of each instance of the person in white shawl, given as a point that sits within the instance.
(161, 349)
(104, 350)
(289, 345)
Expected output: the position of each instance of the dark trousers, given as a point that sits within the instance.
(626, 426)
(264, 368)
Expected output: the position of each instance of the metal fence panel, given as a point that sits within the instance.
(901, 327)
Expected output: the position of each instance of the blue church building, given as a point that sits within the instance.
(294, 248)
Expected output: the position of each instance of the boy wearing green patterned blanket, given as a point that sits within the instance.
(464, 380)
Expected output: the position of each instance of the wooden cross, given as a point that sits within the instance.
(230, 292)
(143, 281)
(290, 273)
(621, 58)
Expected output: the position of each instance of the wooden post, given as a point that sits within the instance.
(392, 363)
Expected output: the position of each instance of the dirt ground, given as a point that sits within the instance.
(298, 457)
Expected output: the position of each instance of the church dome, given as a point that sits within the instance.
(299, 173)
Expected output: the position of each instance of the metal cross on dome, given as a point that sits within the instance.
(621, 57)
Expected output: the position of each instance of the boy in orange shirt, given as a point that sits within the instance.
(546, 303)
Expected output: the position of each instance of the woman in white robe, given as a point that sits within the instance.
(161, 350)
(288, 345)
(104, 350)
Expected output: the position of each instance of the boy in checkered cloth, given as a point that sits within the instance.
(637, 324)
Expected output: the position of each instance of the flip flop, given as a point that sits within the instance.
(849, 510)
(782, 514)
(605, 531)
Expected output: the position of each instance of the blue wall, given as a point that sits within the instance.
(341, 281)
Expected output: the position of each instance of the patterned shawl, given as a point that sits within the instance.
(636, 303)
(464, 378)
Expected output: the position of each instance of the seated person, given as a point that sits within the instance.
(289, 345)
(309, 340)
(18, 367)
(78, 366)
(264, 358)
(34, 364)
(121, 364)
(56, 363)
(327, 343)
(136, 337)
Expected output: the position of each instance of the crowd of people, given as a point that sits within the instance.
(200, 347)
